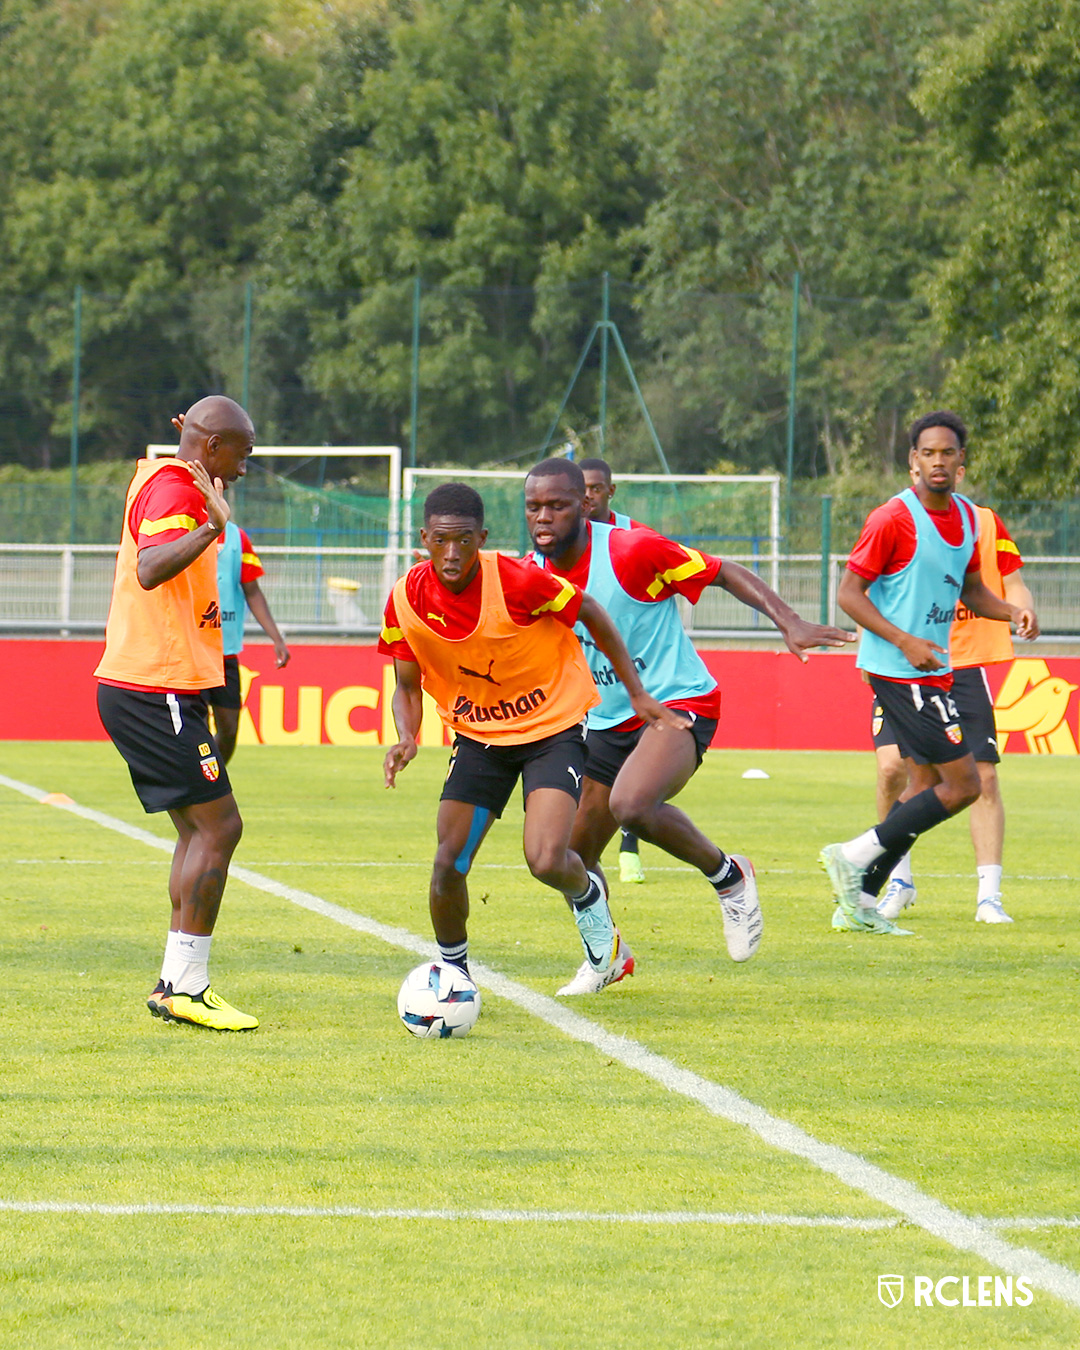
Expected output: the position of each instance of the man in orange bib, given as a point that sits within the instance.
(491, 639)
(162, 649)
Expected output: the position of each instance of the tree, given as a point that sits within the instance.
(157, 176)
(494, 163)
(786, 142)
(1005, 104)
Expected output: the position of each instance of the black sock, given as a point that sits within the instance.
(629, 843)
(876, 874)
(727, 874)
(590, 897)
(907, 820)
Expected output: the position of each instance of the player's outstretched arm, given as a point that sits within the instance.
(853, 600)
(408, 709)
(799, 634)
(260, 607)
(606, 636)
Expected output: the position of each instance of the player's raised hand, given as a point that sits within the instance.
(801, 635)
(217, 508)
(396, 758)
(656, 714)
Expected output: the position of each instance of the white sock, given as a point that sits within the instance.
(170, 953)
(989, 881)
(187, 969)
(902, 870)
(867, 901)
(864, 850)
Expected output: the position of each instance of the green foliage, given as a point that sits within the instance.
(495, 158)
(1009, 294)
(787, 142)
(176, 158)
(149, 190)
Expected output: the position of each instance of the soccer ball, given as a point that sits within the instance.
(438, 1000)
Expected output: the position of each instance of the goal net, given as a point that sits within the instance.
(335, 554)
(734, 515)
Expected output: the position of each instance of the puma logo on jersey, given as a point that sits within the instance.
(438, 618)
(952, 581)
(476, 674)
(211, 616)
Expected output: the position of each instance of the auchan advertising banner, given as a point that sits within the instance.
(340, 695)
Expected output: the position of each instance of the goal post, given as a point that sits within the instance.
(721, 509)
(392, 455)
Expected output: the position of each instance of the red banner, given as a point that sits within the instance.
(341, 696)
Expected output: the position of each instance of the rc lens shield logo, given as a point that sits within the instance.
(890, 1289)
(957, 1291)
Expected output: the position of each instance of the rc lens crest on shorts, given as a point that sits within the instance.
(208, 762)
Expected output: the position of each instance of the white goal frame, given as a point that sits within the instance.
(410, 476)
(391, 453)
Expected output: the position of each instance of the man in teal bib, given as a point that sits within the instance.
(916, 558)
(632, 771)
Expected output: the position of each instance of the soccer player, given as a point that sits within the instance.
(974, 644)
(491, 639)
(916, 557)
(162, 649)
(238, 573)
(599, 490)
(633, 770)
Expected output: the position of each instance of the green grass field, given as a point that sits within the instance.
(947, 1059)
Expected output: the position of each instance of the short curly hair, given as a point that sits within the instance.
(559, 468)
(942, 418)
(454, 499)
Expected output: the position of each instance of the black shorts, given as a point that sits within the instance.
(924, 719)
(172, 758)
(227, 695)
(971, 694)
(609, 750)
(484, 775)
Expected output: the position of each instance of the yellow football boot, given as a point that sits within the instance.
(204, 1010)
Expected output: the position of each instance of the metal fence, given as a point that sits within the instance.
(340, 592)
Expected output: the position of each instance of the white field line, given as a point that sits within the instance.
(672, 1217)
(571, 1216)
(958, 1230)
(425, 866)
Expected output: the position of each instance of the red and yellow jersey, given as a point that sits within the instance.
(975, 641)
(887, 542)
(168, 638)
(502, 682)
(651, 568)
(455, 615)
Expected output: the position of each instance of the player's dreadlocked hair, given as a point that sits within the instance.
(454, 499)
